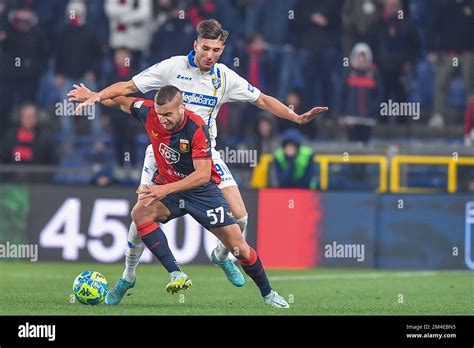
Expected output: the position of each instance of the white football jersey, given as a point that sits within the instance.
(203, 92)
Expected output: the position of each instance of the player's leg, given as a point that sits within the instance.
(132, 256)
(220, 254)
(154, 238)
(135, 245)
(231, 193)
(252, 265)
(208, 207)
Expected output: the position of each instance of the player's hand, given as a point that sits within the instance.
(95, 98)
(311, 114)
(79, 93)
(153, 193)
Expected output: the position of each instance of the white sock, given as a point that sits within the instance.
(133, 253)
(221, 251)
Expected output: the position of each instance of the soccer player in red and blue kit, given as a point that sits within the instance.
(186, 183)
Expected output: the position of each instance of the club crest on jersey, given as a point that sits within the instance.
(216, 78)
(171, 156)
(216, 82)
(184, 145)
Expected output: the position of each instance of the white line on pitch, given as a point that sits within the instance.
(372, 275)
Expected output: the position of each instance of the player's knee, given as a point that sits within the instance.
(241, 251)
(141, 214)
(238, 247)
(162, 214)
(242, 222)
(135, 214)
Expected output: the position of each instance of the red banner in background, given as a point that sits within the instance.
(289, 228)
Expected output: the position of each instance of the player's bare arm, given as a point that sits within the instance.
(199, 177)
(81, 93)
(275, 107)
(123, 88)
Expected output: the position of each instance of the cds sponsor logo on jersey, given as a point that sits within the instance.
(171, 156)
(199, 99)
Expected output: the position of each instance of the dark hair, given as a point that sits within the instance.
(166, 94)
(211, 29)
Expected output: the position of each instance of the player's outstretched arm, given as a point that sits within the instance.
(275, 107)
(199, 177)
(117, 89)
(82, 92)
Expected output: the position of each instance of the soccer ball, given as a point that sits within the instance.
(90, 288)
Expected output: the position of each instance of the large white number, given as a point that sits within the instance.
(66, 219)
(101, 225)
(212, 213)
(221, 210)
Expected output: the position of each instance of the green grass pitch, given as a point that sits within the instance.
(45, 289)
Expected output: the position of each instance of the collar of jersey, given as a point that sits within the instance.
(193, 65)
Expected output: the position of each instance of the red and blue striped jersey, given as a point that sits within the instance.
(175, 150)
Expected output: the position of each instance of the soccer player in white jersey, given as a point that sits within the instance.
(206, 85)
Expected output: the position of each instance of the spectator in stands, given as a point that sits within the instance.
(130, 23)
(293, 163)
(396, 47)
(28, 143)
(318, 27)
(162, 11)
(3, 18)
(357, 18)
(103, 176)
(50, 16)
(174, 37)
(199, 10)
(78, 58)
(270, 18)
(23, 57)
(122, 125)
(451, 47)
(266, 130)
(256, 62)
(294, 101)
(262, 143)
(360, 95)
(96, 18)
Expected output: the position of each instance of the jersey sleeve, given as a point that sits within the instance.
(200, 145)
(140, 108)
(239, 89)
(155, 77)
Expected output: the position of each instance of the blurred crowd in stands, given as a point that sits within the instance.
(348, 55)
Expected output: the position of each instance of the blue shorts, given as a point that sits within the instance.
(205, 204)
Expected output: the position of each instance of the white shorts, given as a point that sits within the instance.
(150, 167)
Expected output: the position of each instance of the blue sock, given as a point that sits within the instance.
(155, 240)
(254, 268)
